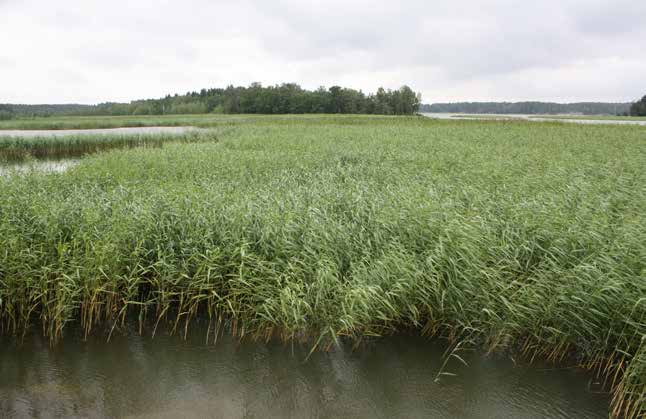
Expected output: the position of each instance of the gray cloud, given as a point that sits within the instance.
(90, 51)
(604, 18)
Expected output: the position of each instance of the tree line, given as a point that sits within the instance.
(584, 108)
(291, 98)
(6, 112)
(287, 98)
(10, 111)
(638, 108)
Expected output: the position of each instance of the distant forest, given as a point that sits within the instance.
(8, 111)
(290, 98)
(286, 98)
(639, 108)
(583, 108)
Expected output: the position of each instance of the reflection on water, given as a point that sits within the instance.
(139, 377)
(43, 166)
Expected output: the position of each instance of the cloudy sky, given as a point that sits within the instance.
(86, 51)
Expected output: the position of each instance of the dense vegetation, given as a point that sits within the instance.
(6, 112)
(286, 98)
(543, 108)
(522, 237)
(9, 111)
(639, 108)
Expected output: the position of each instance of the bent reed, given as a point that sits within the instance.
(527, 238)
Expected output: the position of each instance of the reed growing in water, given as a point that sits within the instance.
(527, 238)
(201, 120)
(16, 149)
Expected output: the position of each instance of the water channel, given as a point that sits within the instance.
(393, 377)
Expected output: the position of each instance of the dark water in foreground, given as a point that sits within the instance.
(140, 377)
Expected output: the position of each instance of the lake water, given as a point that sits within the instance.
(530, 118)
(394, 377)
(105, 131)
(43, 166)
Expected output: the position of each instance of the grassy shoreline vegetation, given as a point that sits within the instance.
(526, 239)
(196, 120)
(215, 121)
(16, 149)
(106, 122)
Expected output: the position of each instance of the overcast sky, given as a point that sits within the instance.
(86, 51)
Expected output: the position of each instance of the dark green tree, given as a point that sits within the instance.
(6, 112)
(255, 99)
(638, 108)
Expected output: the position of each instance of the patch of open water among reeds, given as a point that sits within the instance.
(42, 166)
(96, 131)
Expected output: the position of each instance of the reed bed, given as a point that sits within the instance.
(198, 120)
(97, 122)
(16, 149)
(525, 238)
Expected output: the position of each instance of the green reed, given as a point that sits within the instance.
(527, 238)
(16, 149)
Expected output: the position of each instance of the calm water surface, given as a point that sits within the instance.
(102, 131)
(140, 377)
(43, 166)
(531, 118)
